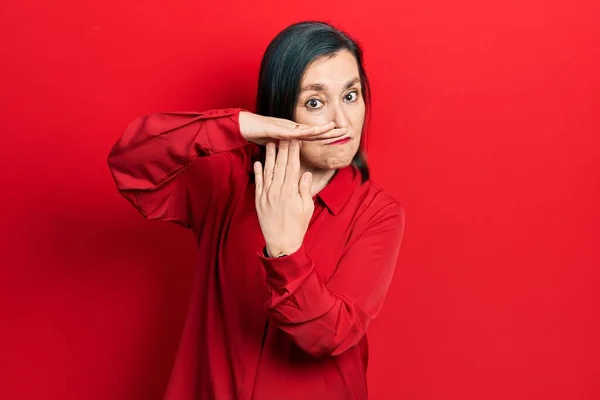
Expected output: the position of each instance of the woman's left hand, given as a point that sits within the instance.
(283, 201)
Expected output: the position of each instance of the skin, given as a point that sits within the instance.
(330, 106)
(330, 91)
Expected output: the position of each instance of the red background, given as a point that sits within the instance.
(485, 126)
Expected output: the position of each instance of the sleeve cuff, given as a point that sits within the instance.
(223, 131)
(287, 269)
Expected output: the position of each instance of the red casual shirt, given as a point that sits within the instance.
(261, 328)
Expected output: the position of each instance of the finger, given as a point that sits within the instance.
(305, 188)
(292, 173)
(319, 129)
(293, 130)
(331, 134)
(258, 180)
(301, 131)
(269, 165)
(281, 163)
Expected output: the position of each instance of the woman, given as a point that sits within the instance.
(294, 255)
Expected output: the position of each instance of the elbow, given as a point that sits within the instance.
(326, 335)
(118, 173)
(328, 343)
(325, 347)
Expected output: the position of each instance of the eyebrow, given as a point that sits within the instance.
(319, 87)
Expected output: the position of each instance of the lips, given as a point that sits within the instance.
(341, 140)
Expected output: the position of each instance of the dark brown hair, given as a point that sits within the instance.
(285, 61)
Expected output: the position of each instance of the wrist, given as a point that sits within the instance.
(279, 251)
(266, 254)
(245, 119)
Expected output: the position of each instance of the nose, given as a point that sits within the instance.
(340, 118)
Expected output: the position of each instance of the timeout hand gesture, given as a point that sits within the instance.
(261, 130)
(283, 199)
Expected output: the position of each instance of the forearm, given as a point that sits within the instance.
(321, 321)
(326, 317)
(155, 148)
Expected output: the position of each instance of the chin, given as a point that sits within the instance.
(329, 161)
(338, 163)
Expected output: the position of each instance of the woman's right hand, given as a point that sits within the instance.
(261, 130)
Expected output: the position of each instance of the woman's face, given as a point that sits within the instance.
(331, 91)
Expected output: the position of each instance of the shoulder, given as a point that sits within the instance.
(375, 201)
(373, 210)
(375, 215)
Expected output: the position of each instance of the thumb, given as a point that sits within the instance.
(304, 187)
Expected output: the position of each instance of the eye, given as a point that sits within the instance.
(351, 97)
(314, 104)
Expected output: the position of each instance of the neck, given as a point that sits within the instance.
(321, 178)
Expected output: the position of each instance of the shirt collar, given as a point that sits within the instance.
(339, 189)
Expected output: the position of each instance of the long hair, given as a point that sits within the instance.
(283, 66)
